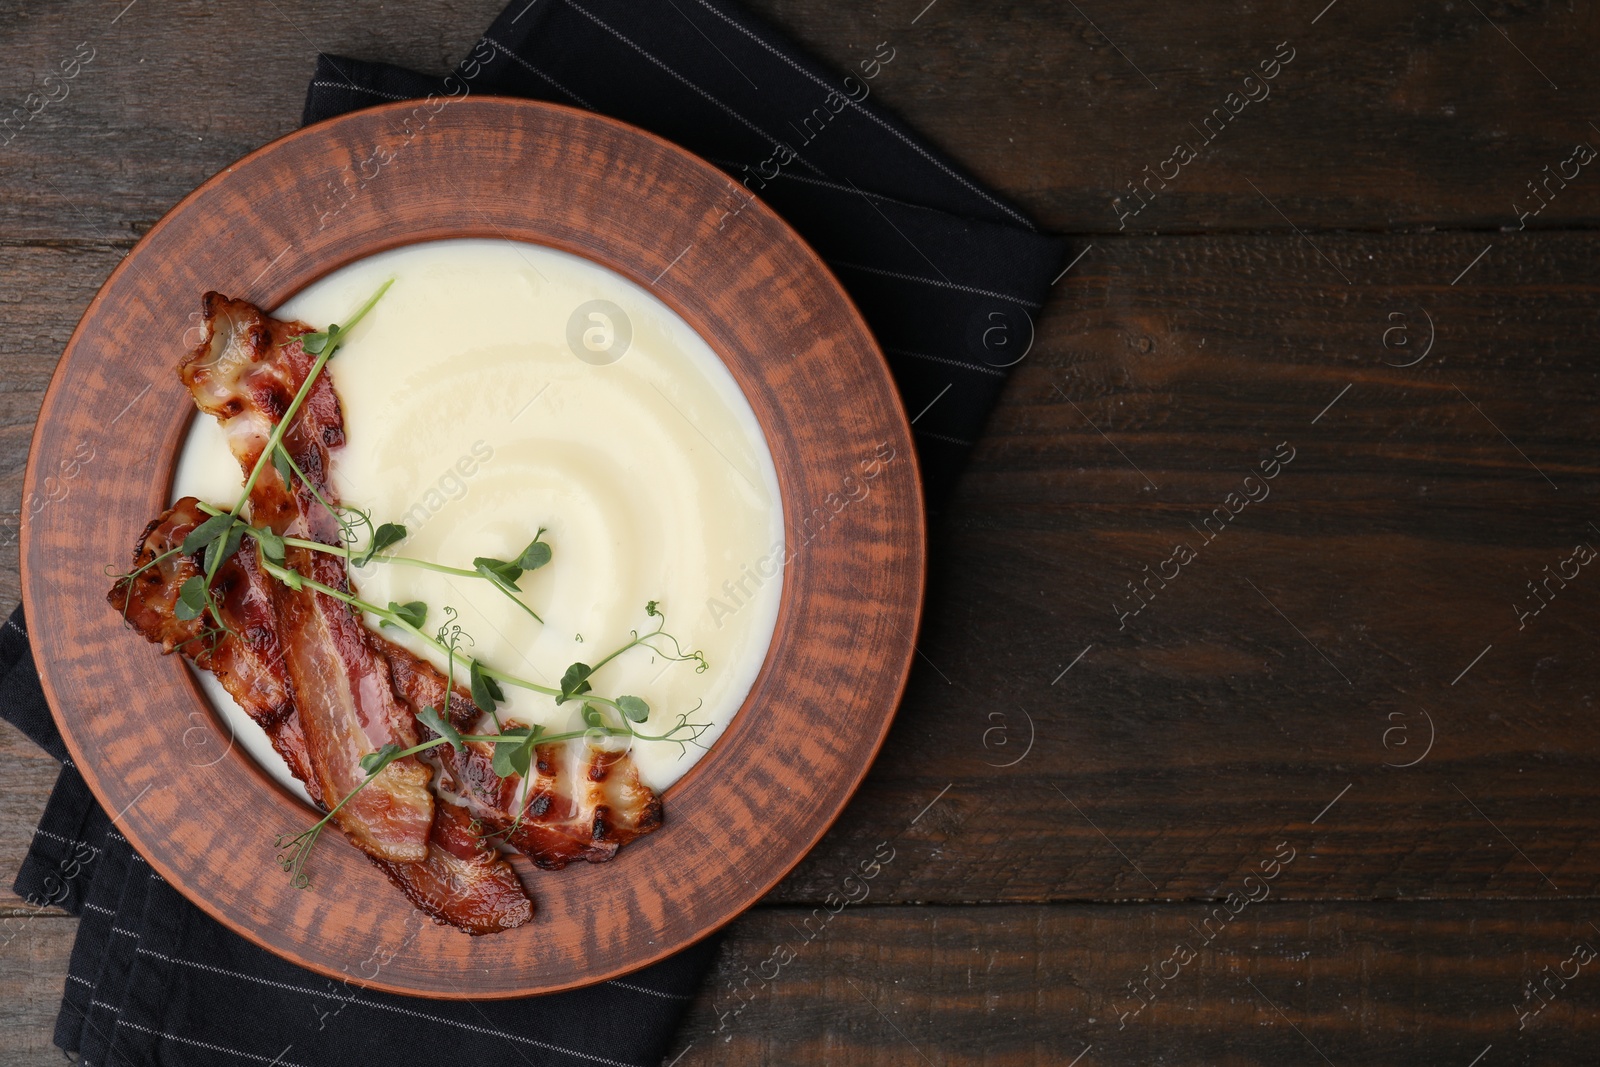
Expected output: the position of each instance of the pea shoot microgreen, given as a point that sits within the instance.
(373, 762)
(575, 682)
(536, 555)
(282, 464)
(385, 536)
(207, 532)
(271, 544)
(633, 708)
(191, 598)
(430, 717)
(414, 612)
(514, 756)
(497, 576)
(504, 574)
(486, 692)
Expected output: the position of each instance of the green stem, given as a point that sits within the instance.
(631, 644)
(513, 598)
(407, 561)
(293, 578)
(131, 575)
(520, 683)
(347, 553)
(335, 550)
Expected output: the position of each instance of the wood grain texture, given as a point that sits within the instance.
(1037, 986)
(1307, 645)
(1210, 730)
(33, 969)
(852, 586)
(1032, 986)
(1383, 118)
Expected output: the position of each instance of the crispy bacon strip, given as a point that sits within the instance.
(582, 804)
(246, 373)
(250, 667)
(289, 741)
(464, 881)
(420, 685)
(247, 657)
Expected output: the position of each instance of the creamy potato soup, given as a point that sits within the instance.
(501, 387)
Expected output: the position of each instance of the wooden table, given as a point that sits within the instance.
(1330, 794)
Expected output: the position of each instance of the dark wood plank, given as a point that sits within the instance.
(1394, 545)
(1434, 119)
(27, 774)
(1381, 120)
(119, 121)
(33, 969)
(1277, 984)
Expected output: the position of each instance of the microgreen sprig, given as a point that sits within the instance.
(513, 754)
(504, 574)
(501, 574)
(573, 680)
(385, 536)
(405, 617)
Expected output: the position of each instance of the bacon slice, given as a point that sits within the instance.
(420, 685)
(289, 741)
(246, 373)
(583, 803)
(247, 658)
(464, 881)
(249, 661)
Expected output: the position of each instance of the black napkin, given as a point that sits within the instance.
(946, 274)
